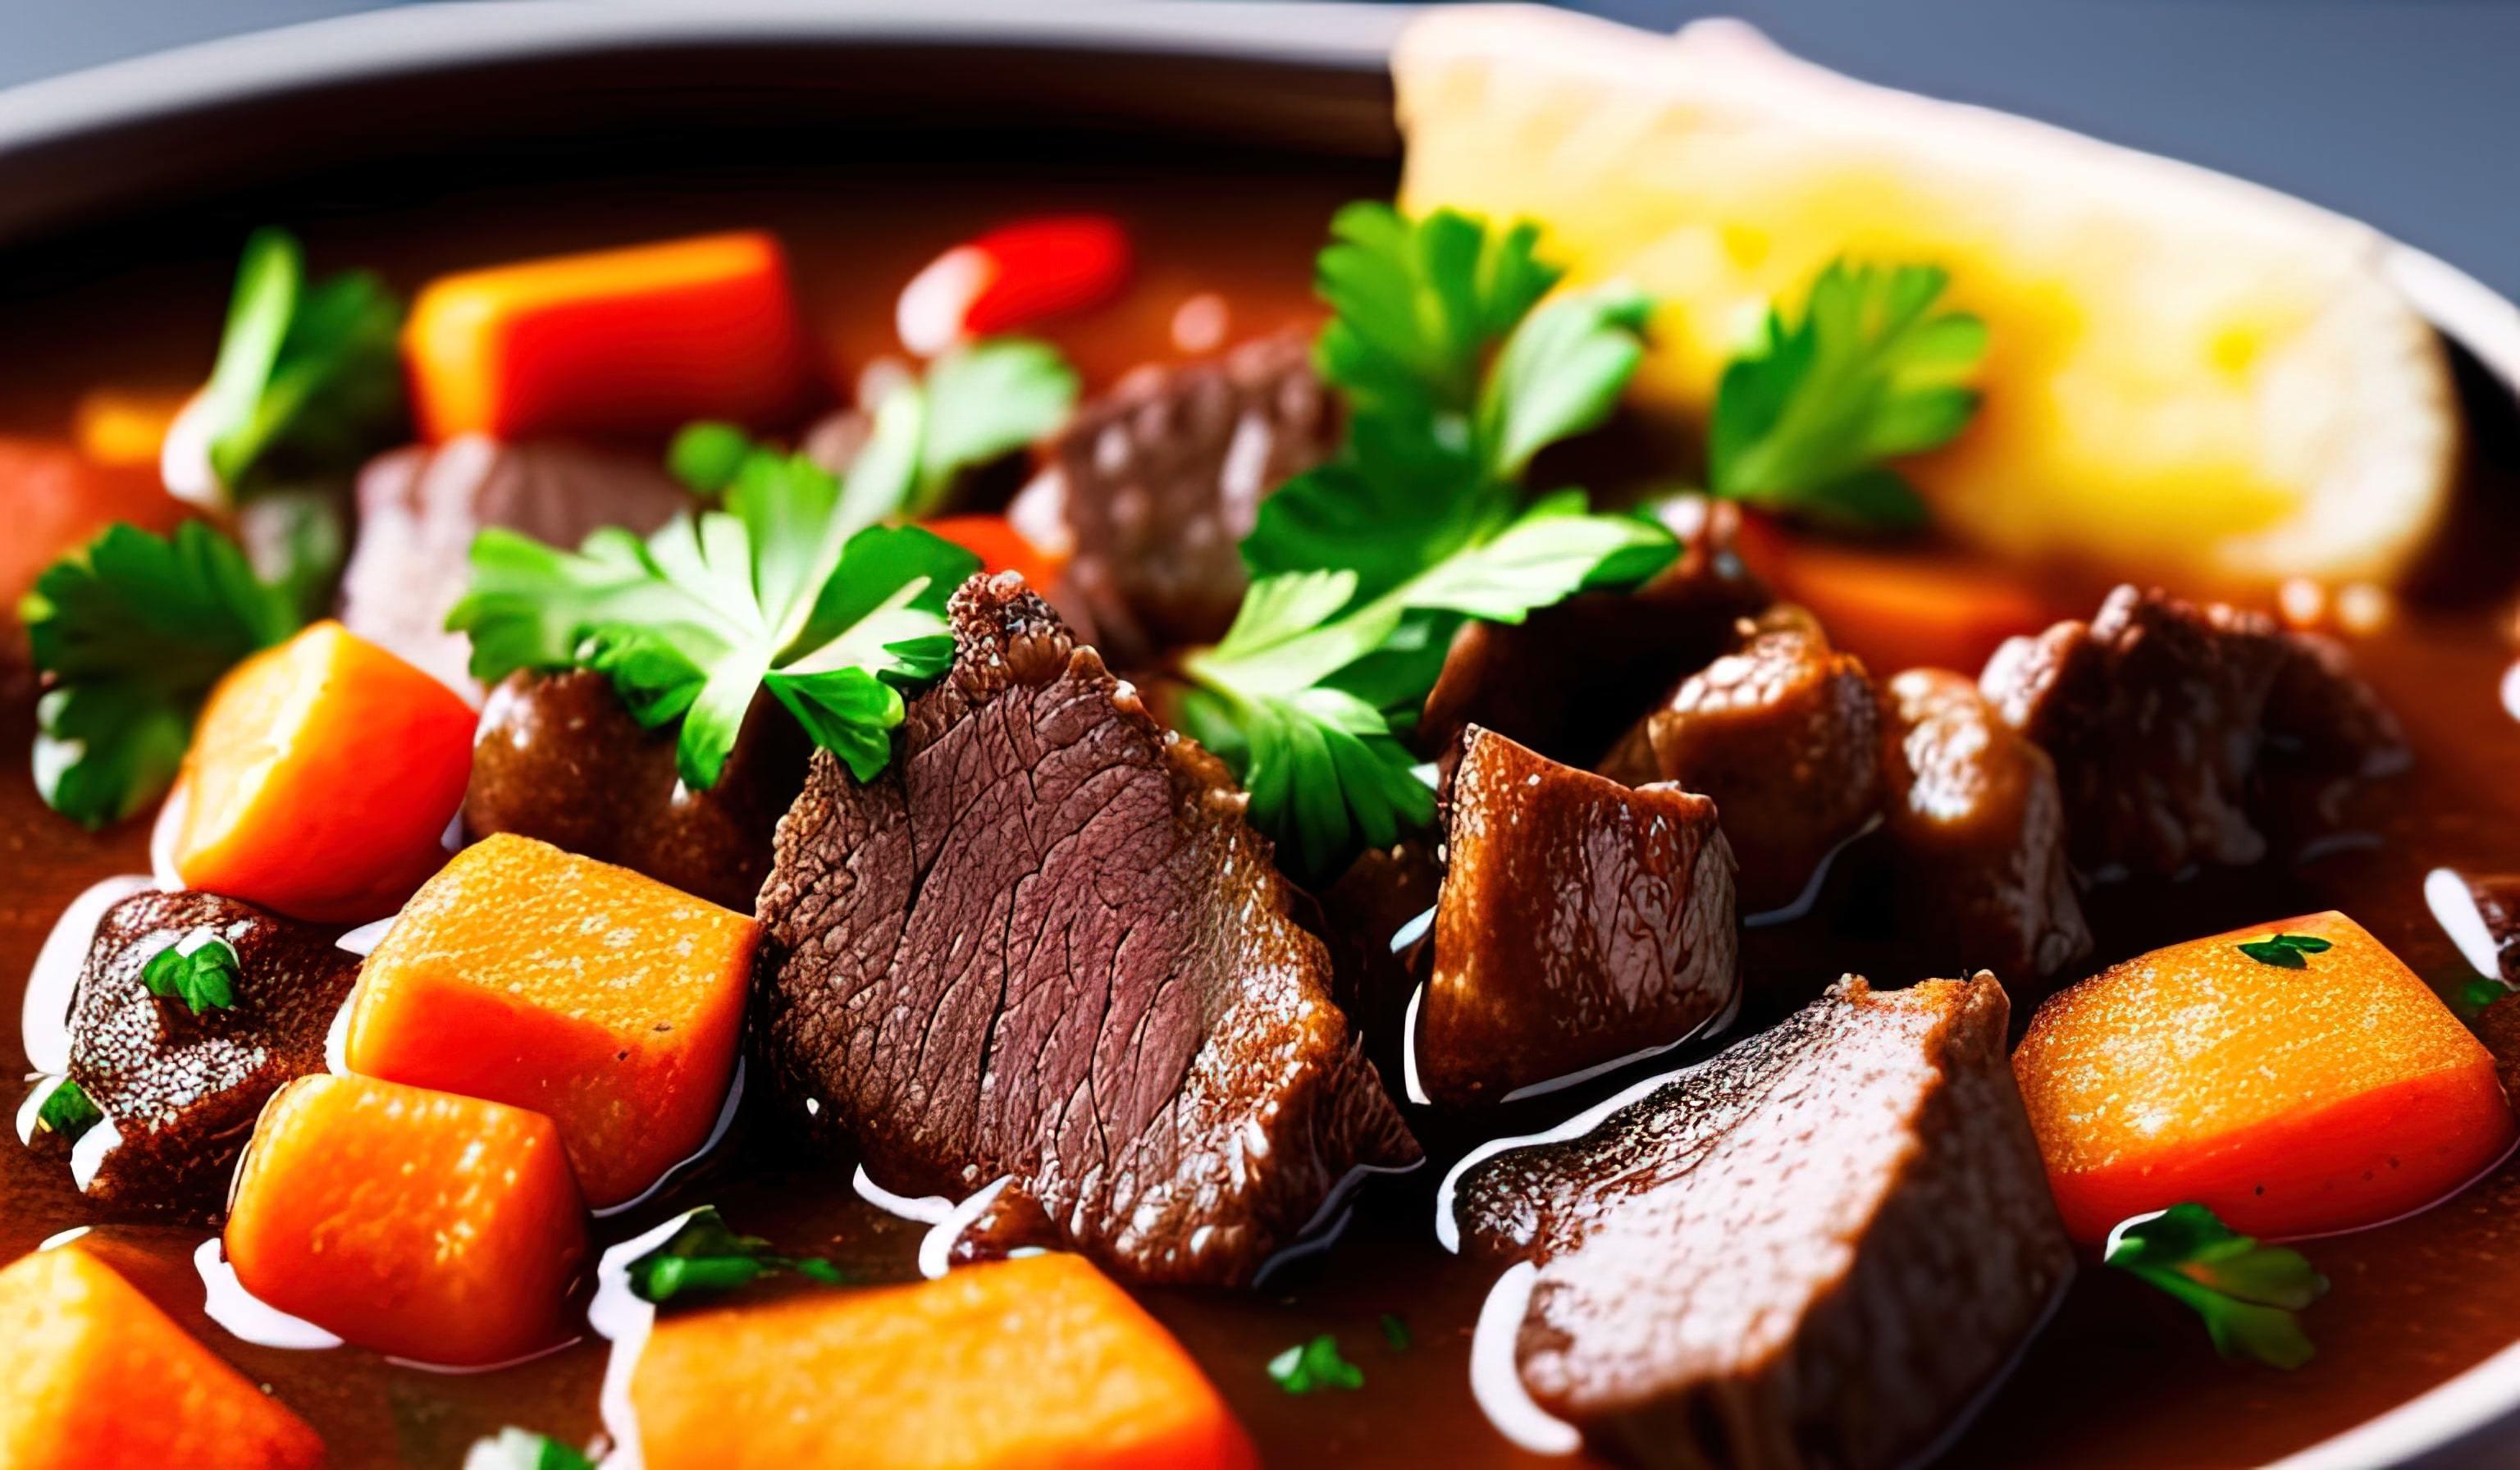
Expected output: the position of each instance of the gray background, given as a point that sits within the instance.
(2400, 111)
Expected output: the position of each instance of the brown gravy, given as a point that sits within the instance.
(2120, 1377)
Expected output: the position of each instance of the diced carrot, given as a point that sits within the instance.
(1012, 1366)
(1001, 548)
(1012, 278)
(57, 499)
(2289, 1100)
(94, 1377)
(644, 338)
(431, 1227)
(124, 428)
(321, 779)
(1895, 608)
(589, 992)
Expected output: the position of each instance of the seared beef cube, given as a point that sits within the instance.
(559, 758)
(1784, 734)
(1159, 480)
(181, 1090)
(1815, 1250)
(2482, 916)
(1570, 679)
(1374, 920)
(2179, 729)
(1976, 829)
(1581, 922)
(420, 508)
(1044, 946)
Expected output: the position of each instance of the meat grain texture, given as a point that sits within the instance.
(1810, 1252)
(1044, 947)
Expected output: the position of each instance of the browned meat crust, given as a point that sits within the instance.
(559, 758)
(2184, 733)
(1161, 478)
(1045, 946)
(182, 1090)
(1581, 922)
(1783, 733)
(1977, 831)
(1816, 1250)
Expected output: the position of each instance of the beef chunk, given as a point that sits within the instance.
(2482, 916)
(1375, 920)
(1816, 1249)
(2183, 733)
(2498, 1027)
(1159, 480)
(420, 508)
(1976, 831)
(1044, 946)
(182, 1090)
(1581, 922)
(1570, 679)
(559, 758)
(1783, 732)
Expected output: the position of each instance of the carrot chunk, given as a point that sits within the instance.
(598, 997)
(56, 501)
(321, 779)
(421, 1223)
(94, 1377)
(645, 337)
(1018, 1363)
(1001, 548)
(1893, 608)
(2290, 1095)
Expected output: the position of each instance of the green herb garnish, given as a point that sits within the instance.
(130, 633)
(1868, 372)
(2247, 1293)
(1308, 1367)
(1454, 376)
(1395, 1333)
(786, 589)
(2478, 993)
(67, 1110)
(2285, 951)
(309, 374)
(706, 1256)
(515, 1449)
(204, 978)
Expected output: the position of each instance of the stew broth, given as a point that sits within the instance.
(2120, 1377)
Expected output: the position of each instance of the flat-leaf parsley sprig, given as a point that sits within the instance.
(2246, 1292)
(797, 585)
(1455, 375)
(1868, 371)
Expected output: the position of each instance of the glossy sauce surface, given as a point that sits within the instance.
(2122, 1376)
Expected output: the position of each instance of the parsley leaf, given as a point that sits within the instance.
(2247, 1293)
(309, 374)
(981, 402)
(201, 970)
(706, 1254)
(787, 588)
(1325, 768)
(1395, 1332)
(1870, 371)
(2285, 951)
(1309, 1366)
(515, 1449)
(1418, 303)
(67, 1110)
(130, 633)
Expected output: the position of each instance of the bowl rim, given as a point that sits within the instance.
(1330, 36)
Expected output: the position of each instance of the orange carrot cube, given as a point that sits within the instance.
(601, 997)
(436, 1227)
(1010, 1365)
(645, 337)
(321, 779)
(94, 1377)
(2289, 1098)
